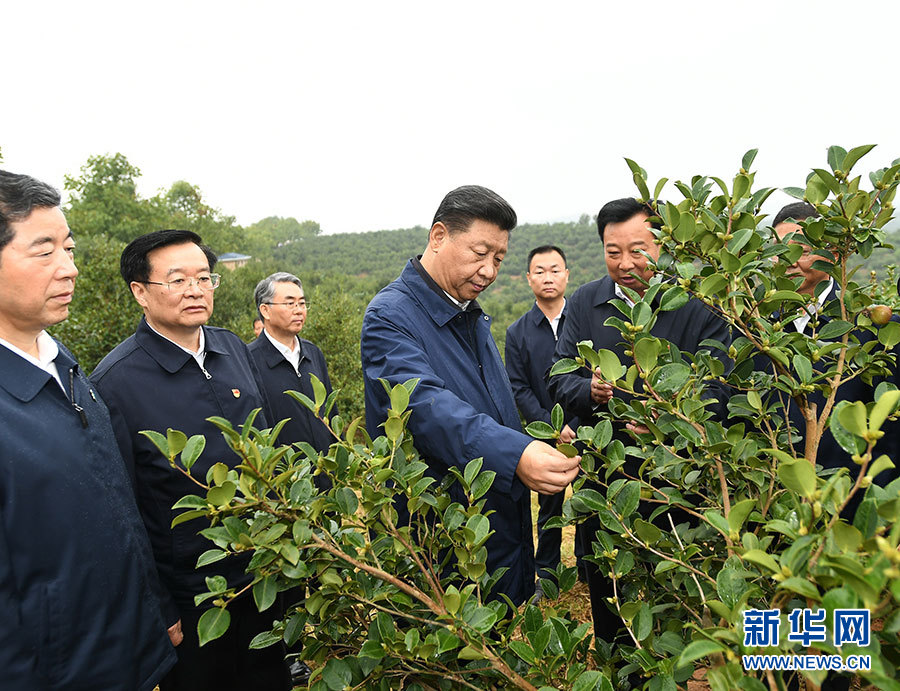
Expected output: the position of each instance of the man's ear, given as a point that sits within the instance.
(264, 310)
(139, 290)
(438, 236)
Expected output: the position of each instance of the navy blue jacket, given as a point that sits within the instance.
(589, 307)
(78, 590)
(277, 375)
(530, 343)
(149, 383)
(462, 408)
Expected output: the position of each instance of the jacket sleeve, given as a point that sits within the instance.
(444, 426)
(717, 329)
(326, 380)
(517, 369)
(17, 657)
(573, 390)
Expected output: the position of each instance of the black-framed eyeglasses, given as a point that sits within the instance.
(180, 285)
(291, 304)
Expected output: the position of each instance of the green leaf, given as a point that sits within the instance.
(210, 556)
(646, 352)
(883, 407)
(760, 558)
(748, 159)
(337, 675)
(803, 367)
(738, 514)
(889, 334)
(880, 464)
(222, 495)
(557, 418)
(347, 500)
(846, 537)
(834, 330)
(730, 586)
(801, 586)
(176, 441)
(264, 592)
(319, 390)
(213, 623)
(854, 155)
(192, 450)
(592, 680)
(610, 367)
(563, 366)
(393, 428)
(399, 398)
(218, 473)
(697, 649)
(799, 476)
(628, 498)
(670, 379)
(674, 298)
(470, 653)
(482, 619)
(853, 417)
(159, 441)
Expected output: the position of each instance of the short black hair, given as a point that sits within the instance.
(799, 211)
(19, 196)
(134, 265)
(469, 203)
(621, 210)
(543, 249)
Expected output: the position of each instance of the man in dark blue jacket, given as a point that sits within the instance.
(428, 325)
(174, 372)
(286, 361)
(530, 342)
(624, 228)
(78, 589)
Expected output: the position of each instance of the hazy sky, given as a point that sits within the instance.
(362, 115)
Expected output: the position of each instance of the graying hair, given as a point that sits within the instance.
(265, 289)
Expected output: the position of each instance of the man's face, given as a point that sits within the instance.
(288, 315)
(548, 276)
(623, 244)
(37, 274)
(803, 267)
(467, 262)
(175, 310)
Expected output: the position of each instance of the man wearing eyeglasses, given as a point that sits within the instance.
(286, 361)
(175, 372)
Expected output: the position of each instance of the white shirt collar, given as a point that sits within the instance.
(554, 323)
(48, 350)
(461, 305)
(199, 356)
(291, 355)
(812, 310)
(621, 294)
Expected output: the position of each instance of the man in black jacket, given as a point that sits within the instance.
(79, 606)
(176, 372)
(530, 342)
(286, 361)
(625, 231)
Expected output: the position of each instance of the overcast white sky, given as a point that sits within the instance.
(362, 115)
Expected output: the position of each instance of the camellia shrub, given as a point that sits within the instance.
(723, 534)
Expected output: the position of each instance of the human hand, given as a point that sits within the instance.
(566, 435)
(601, 391)
(546, 470)
(175, 633)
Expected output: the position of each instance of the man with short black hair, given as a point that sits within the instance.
(530, 342)
(428, 325)
(625, 229)
(175, 372)
(79, 606)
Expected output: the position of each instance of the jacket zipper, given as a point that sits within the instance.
(78, 408)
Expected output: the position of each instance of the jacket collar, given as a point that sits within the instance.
(168, 355)
(23, 380)
(536, 316)
(271, 354)
(605, 291)
(429, 294)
